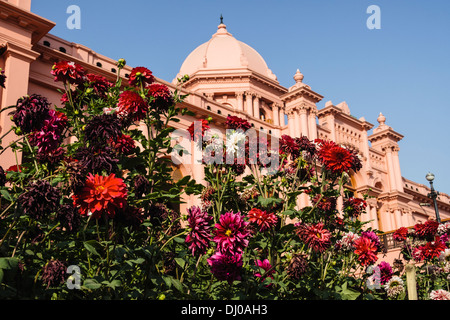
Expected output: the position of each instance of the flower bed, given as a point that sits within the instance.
(90, 211)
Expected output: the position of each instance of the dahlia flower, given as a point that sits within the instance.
(163, 98)
(347, 241)
(314, 235)
(394, 287)
(385, 272)
(99, 84)
(266, 266)
(226, 267)
(97, 160)
(141, 186)
(430, 250)
(305, 144)
(231, 233)
(40, 199)
(236, 123)
(132, 106)
(354, 206)
(325, 204)
(288, 145)
(140, 75)
(54, 273)
(197, 129)
(123, 144)
(69, 218)
(101, 195)
(443, 228)
(400, 234)
(335, 158)
(439, 294)
(373, 237)
(427, 229)
(69, 72)
(366, 250)
(31, 112)
(265, 220)
(199, 234)
(102, 128)
(48, 138)
(298, 266)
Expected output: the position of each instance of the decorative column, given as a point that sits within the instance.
(249, 102)
(297, 128)
(291, 123)
(17, 71)
(304, 121)
(240, 101)
(396, 165)
(256, 106)
(275, 115)
(282, 117)
(312, 124)
(390, 165)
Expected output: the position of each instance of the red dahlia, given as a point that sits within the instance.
(99, 83)
(141, 75)
(400, 234)
(236, 123)
(335, 158)
(162, 96)
(427, 229)
(123, 144)
(265, 220)
(100, 195)
(69, 72)
(315, 236)
(197, 129)
(366, 250)
(132, 106)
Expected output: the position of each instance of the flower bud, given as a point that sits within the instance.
(121, 63)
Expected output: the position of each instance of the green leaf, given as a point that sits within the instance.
(6, 195)
(349, 293)
(177, 284)
(113, 284)
(8, 263)
(181, 262)
(89, 245)
(91, 284)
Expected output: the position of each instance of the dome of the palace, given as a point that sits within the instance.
(224, 52)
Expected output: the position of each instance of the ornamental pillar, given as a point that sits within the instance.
(304, 122)
(275, 115)
(390, 166)
(249, 102)
(291, 123)
(282, 118)
(17, 72)
(297, 129)
(396, 167)
(256, 106)
(240, 101)
(312, 125)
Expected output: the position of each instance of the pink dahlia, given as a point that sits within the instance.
(101, 195)
(265, 266)
(439, 294)
(265, 220)
(386, 272)
(231, 233)
(199, 235)
(314, 235)
(226, 267)
(132, 106)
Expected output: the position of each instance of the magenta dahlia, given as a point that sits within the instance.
(231, 233)
(199, 235)
(226, 267)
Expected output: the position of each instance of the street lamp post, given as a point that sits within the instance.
(433, 195)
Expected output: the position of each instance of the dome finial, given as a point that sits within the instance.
(221, 19)
(298, 77)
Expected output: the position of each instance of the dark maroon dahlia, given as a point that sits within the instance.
(96, 160)
(69, 217)
(31, 112)
(40, 199)
(102, 128)
(54, 273)
(141, 186)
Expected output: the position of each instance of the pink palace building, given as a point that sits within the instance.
(228, 77)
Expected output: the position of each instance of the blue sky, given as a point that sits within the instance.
(401, 70)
